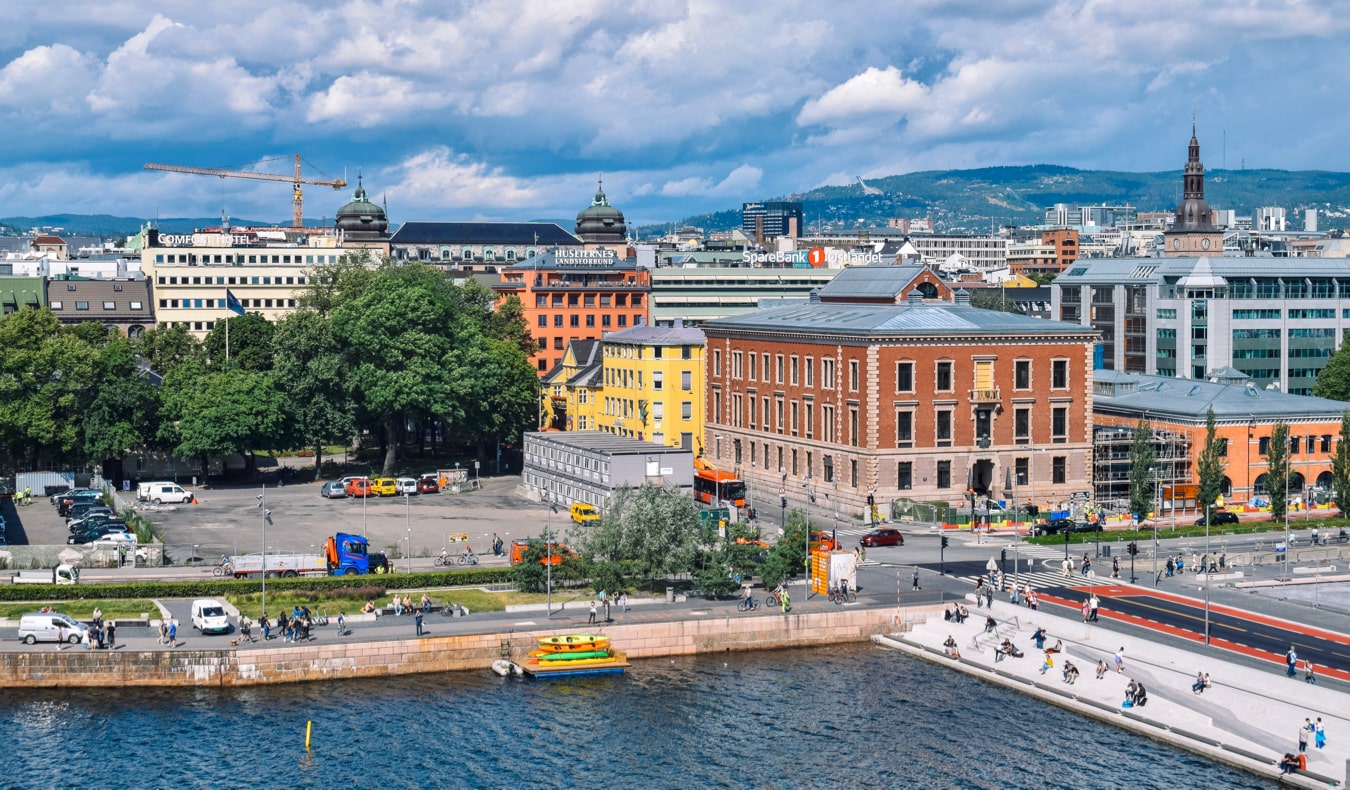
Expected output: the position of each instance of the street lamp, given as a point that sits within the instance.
(1157, 491)
(782, 499)
(266, 519)
(548, 552)
(407, 508)
(1206, 572)
(1287, 546)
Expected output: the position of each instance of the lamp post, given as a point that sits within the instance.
(1157, 491)
(266, 519)
(806, 510)
(548, 553)
(782, 499)
(407, 509)
(1287, 546)
(1206, 572)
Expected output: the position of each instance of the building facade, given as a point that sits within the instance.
(478, 246)
(1193, 231)
(125, 305)
(1185, 317)
(589, 466)
(772, 219)
(923, 399)
(576, 294)
(701, 293)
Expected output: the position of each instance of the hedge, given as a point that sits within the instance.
(208, 587)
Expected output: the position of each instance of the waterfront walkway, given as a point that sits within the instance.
(1249, 717)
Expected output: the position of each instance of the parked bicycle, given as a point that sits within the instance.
(843, 595)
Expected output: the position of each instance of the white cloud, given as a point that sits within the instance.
(738, 182)
(874, 91)
(366, 100)
(440, 178)
(44, 79)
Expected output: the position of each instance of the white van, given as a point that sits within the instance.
(159, 493)
(50, 627)
(208, 616)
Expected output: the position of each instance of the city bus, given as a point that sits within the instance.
(713, 486)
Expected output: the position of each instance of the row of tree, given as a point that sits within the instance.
(1210, 469)
(384, 348)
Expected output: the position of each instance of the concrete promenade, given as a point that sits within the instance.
(1248, 718)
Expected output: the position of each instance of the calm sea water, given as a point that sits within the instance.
(852, 717)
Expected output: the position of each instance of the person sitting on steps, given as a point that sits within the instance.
(949, 647)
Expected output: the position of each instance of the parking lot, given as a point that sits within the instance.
(227, 520)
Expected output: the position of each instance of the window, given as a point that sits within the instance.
(827, 423)
(853, 375)
(656, 352)
(764, 368)
(944, 428)
(904, 475)
(604, 321)
(944, 474)
(810, 410)
(687, 380)
(81, 305)
(1263, 445)
(686, 410)
(904, 429)
(753, 421)
(658, 378)
(792, 422)
(736, 364)
(658, 410)
(543, 320)
(558, 320)
(1058, 469)
(1325, 444)
(1022, 426)
(828, 462)
(944, 377)
(717, 362)
(1059, 374)
(810, 372)
(590, 320)
(904, 377)
(1059, 425)
(576, 320)
(1293, 445)
(1022, 374)
(778, 368)
(1021, 471)
(853, 425)
(1223, 446)
(57, 305)
(778, 413)
(754, 362)
(827, 373)
(793, 368)
(109, 305)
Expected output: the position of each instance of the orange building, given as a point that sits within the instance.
(1065, 242)
(572, 295)
(1245, 416)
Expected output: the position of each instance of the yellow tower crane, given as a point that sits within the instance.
(297, 196)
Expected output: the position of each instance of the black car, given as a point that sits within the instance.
(105, 526)
(90, 521)
(1057, 526)
(64, 506)
(89, 536)
(1221, 517)
(86, 509)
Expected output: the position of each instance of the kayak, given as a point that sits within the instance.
(573, 642)
(545, 656)
(583, 662)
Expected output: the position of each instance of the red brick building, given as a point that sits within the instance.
(572, 295)
(920, 399)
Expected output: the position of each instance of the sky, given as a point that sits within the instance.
(502, 109)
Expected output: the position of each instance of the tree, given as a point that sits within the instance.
(656, 532)
(125, 407)
(250, 343)
(994, 299)
(164, 348)
(1340, 467)
(311, 370)
(1209, 466)
(329, 286)
(496, 390)
(1334, 380)
(788, 555)
(234, 411)
(45, 377)
(1277, 470)
(1142, 481)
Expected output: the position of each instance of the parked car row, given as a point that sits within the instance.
(361, 486)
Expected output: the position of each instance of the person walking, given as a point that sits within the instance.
(418, 620)
(916, 577)
(342, 623)
(785, 601)
(1319, 734)
(265, 625)
(110, 634)
(1120, 660)
(591, 621)
(173, 633)
(1093, 604)
(1291, 662)
(1303, 733)
(1115, 567)
(1309, 674)
(1171, 567)
(623, 602)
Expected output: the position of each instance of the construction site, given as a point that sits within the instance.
(1174, 483)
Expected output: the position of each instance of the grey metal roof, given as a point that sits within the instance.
(525, 233)
(605, 443)
(658, 335)
(922, 319)
(874, 281)
(1151, 270)
(1189, 400)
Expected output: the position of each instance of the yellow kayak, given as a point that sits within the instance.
(573, 642)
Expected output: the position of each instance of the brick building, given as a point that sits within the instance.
(576, 295)
(916, 399)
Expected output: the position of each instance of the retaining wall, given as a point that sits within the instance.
(258, 665)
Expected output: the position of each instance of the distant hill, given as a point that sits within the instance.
(984, 198)
(109, 227)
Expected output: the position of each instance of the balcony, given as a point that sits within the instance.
(984, 396)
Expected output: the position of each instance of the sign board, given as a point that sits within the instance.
(715, 514)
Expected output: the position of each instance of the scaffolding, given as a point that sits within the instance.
(1111, 465)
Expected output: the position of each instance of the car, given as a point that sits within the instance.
(407, 485)
(1056, 526)
(50, 627)
(334, 489)
(584, 514)
(385, 486)
(66, 503)
(1219, 517)
(823, 541)
(359, 486)
(74, 492)
(160, 493)
(428, 484)
(208, 616)
(94, 522)
(86, 509)
(88, 536)
(882, 537)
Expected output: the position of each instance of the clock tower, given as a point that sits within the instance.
(1193, 233)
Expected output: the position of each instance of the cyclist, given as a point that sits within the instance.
(747, 597)
(445, 555)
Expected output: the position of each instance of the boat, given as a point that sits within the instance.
(616, 663)
(564, 643)
(545, 655)
(506, 668)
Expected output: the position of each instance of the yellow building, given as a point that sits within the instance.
(645, 382)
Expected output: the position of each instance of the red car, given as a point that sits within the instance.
(360, 487)
(883, 537)
(428, 485)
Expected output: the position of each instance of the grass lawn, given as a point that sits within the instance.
(474, 599)
(121, 609)
(1187, 529)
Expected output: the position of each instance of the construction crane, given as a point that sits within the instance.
(297, 196)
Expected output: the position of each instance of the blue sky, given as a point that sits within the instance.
(508, 110)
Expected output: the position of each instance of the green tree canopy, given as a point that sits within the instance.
(1209, 466)
(250, 343)
(1142, 480)
(45, 378)
(164, 348)
(310, 370)
(1334, 380)
(656, 532)
(994, 299)
(125, 409)
(234, 411)
(1277, 470)
(1340, 467)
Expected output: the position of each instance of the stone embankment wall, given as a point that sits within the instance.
(257, 665)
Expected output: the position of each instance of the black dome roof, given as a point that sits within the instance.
(361, 218)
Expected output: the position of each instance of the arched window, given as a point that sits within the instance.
(466, 253)
(1259, 484)
(529, 252)
(1324, 481)
(447, 253)
(489, 254)
(1226, 487)
(134, 331)
(510, 253)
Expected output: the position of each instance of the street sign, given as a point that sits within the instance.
(715, 514)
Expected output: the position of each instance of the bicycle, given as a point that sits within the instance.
(772, 600)
(843, 597)
(445, 560)
(225, 568)
(468, 559)
(747, 605)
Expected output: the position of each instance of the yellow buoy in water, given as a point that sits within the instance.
(309, 725)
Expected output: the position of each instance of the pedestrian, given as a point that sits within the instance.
(1291, 662)
(1309, 675)
(418, 620)
(989, 597)
(60, 637)
(1101, 669)
(1086, 566)
(163, 632)
(85, 638)
(1120, 660)
(342, 623)
(623, 602)
(1067, 567)
(1319, 734)
(591, 621)
(173, 633)
(785, 601)
(1094, 603)
(1033, 600)
(1115, 567)
(1303, 733)
(266, 626)
(1086, 610)
(608, 619)
(1171, 567)
(916, 577)
(110, 634)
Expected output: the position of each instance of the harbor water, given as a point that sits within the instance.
(848, 717)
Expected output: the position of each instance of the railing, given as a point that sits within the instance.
(984, 396)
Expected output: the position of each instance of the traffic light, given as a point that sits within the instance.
(871, 500)
(782, 502)
(1133, 548)
(944, 541)
(1033, 511)
(1003, 555)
